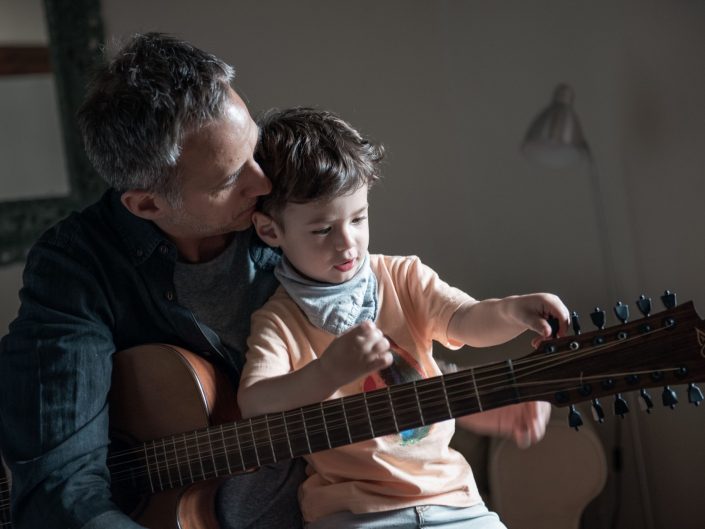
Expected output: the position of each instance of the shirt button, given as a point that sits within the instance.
(139, 253)
(169, 294)
(164, 249)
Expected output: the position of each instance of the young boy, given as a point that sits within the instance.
(344, 322)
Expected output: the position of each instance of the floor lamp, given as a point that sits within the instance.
(555, 139)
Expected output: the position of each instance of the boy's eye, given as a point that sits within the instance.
(358, 220)
(322, 231)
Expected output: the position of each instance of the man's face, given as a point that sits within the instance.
(326, 241)
(219, 178)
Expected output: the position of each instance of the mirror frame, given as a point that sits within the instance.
(76, 49)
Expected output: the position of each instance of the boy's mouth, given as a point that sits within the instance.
(345, 266)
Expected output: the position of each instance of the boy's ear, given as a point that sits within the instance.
(144, 204)
(266, 228)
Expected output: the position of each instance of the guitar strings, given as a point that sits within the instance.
(212, 455)
(198, 436)
(167, 465)
(254, 425)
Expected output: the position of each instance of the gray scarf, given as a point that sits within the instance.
(335, 308)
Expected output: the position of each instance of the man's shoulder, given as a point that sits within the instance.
(83, 234)
(76, 226)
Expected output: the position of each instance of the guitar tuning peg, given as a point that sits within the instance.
(621, 311)
(669, 397)
(575, 322)
(597, 412)
(644, 305)
(575, 420)
(620, 405)
(668, 299)
(646, 401)
(695, 396)
(598, 318)
(555, 325)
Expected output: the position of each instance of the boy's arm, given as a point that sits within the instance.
(495, 321)
(359, 351)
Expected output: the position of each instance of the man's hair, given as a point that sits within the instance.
(143, 103)
(312, 155)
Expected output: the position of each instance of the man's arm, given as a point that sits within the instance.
(55, 372)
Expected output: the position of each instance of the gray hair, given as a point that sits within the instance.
(143, 103)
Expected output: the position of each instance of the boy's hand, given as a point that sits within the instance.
(361, 350)
(533, 310)
(525, 423)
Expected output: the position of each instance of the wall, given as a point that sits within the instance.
(449, 87)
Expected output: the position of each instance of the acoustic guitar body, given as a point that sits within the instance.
(160, 390)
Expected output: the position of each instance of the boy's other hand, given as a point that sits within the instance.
(361, 350)
(525, 423)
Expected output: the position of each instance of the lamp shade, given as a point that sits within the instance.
(555, 137)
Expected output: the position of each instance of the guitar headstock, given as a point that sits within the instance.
(653, 351)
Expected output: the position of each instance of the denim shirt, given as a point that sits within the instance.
(98, 282)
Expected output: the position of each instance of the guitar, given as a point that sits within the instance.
(175, 434)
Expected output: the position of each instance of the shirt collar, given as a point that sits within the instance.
(142, 237)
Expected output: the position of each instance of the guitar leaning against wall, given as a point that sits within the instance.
(175, 433)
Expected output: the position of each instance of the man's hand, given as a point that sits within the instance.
(525, 423)
(361, 350)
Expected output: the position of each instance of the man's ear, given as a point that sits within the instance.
(144, 204)
(266, 228)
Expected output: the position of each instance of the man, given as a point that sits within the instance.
(165, 256)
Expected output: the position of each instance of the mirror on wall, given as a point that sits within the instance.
(48, 50)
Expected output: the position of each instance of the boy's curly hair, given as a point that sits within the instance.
(311, 155)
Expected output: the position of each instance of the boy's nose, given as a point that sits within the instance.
(344, 240)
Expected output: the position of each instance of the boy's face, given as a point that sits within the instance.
(325, 241)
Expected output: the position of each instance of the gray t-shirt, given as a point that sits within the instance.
(224, 292)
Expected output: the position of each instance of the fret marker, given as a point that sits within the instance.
(369, 418)
(347, 424)
(225, 449)
(269, 435)
(418, 404)
(149, 472)
(477, 393)
(303, 420)
(254, 442)
(156, 461)
(286, 433)
(200, 457)
(325, 425)
(515, 387)
(188, 457)
(239, 448)
(391, 406)
(212, 453)
(445, 394)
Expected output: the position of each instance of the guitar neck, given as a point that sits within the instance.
(663, 349)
